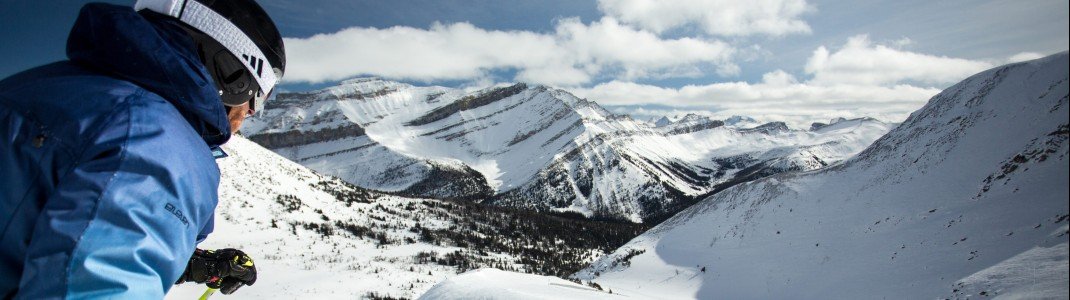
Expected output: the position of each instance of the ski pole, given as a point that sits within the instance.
(208, 293)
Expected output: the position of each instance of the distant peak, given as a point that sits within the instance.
(770, 127)
(819, 125)
(664, 121)
(733, 120)
(360, 80)
(693, 117)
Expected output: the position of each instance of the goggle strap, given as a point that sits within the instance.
(213, 24)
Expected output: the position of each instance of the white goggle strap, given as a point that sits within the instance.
(206, 20)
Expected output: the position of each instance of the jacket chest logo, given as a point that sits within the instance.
(178, 213)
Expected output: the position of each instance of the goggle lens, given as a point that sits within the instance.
(261, 98)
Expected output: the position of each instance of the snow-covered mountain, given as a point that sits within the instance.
(662, 122)
(317, 237)
(733, 121)
(533, 147)
(966, 199)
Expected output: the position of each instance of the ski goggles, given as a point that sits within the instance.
(235, 84)
(261, 100)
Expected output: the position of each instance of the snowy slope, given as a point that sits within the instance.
(497, 284)
(317, 237)
(966, 199)
(533, 147)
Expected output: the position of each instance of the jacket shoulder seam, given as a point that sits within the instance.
(118, 108)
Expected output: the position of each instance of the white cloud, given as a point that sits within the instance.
(607, 42)
(778, 78)
(903, 42)
(1024, 56)
(777, 90)
(574, 54)
(862, 62)
(859, 79)
(716, 17)
(456, 51)
(778, 97)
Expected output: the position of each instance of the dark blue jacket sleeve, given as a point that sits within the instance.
(124, 221)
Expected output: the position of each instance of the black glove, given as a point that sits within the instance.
(224, 269)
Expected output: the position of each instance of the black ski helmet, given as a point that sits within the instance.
(237, 41)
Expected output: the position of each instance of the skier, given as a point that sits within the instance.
(108, 177)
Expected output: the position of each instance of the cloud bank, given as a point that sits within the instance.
(715, 17)
(856, 80)
(1024, 56)
(625, 44)
(793, 102)
(575, 53)
(862, 62)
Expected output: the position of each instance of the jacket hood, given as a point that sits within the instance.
(153, 52)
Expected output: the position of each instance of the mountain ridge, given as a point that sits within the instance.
(529, 146)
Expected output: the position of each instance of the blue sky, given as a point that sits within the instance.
(793, 60)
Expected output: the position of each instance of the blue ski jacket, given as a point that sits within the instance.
(107, 180)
